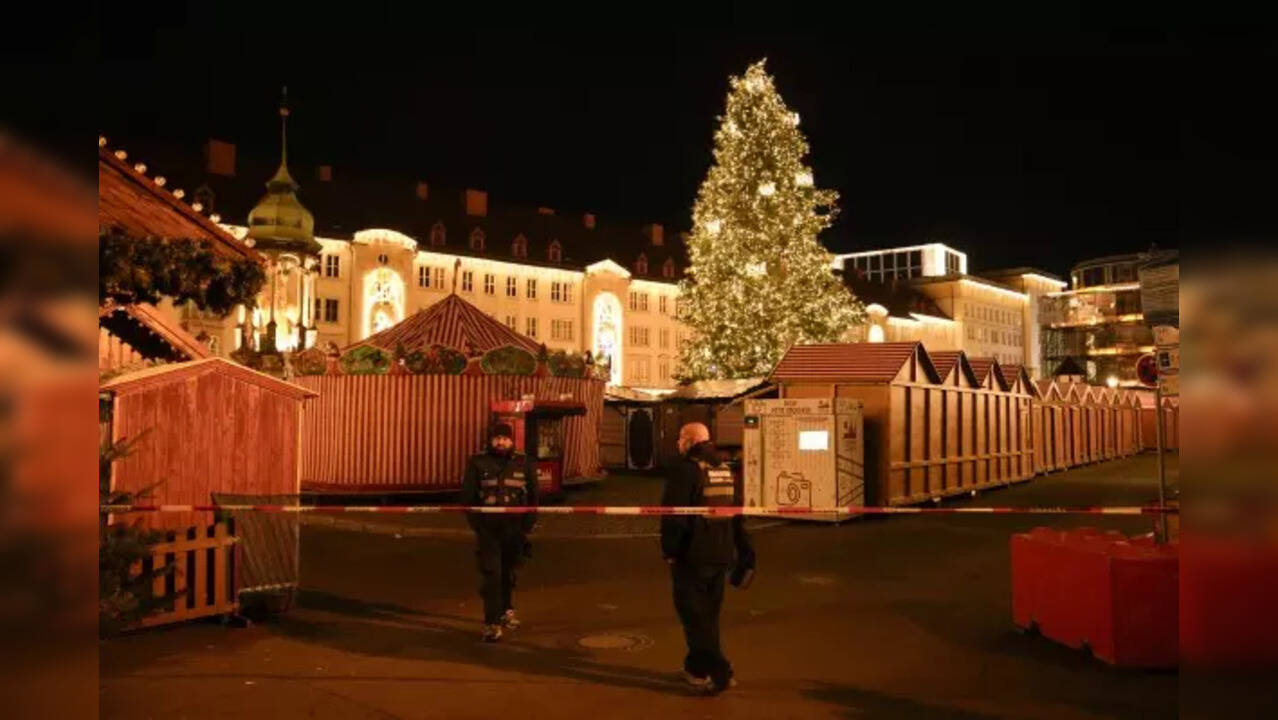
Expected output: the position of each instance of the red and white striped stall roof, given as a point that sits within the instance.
(451, 322)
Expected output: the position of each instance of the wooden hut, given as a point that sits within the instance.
(1051, 428)
(958, 402)
(1075, 426)
(1023, 393)
(412, 403)
(628, 429)
(922, 430)
(992, 425)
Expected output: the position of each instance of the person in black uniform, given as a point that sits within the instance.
(700, 550)
(500, 477)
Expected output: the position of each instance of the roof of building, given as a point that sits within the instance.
(451, 322)
(173, 372)
(138, 205)
(869, 362)
(150, 332)
(718, 389)
(1069, 366)
(1018, 271)
(1012, 371)
(957, 277)
(945, 360)
(1107, 260)
(899, 298)
(984, 367)
(351, 201)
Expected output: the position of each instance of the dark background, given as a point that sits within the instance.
(1022, 139)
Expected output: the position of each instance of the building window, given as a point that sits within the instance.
(437, 234)
(530, 288)
(423, 276)
(383, 259)
(519, 247)
(477, 240)
(490, 284)
(662, 304)
(332, 266)
(330, 310)
(512, 322)
(555, 252)
(668, 268)
(638, 336)
(512, 286)
(664, 337)
(641, 264)
(561, 292)
(317, 313)
(468, 281)
(438, 274)
(663, 371)
(561, 330)
(640, 367)
(530, 327)
(638, 301)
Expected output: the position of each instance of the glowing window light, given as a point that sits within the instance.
(876, 333)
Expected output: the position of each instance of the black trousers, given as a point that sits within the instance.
(500, 553)
(698, 597)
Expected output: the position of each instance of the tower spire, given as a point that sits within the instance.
(282, 178)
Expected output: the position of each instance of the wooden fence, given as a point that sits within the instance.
(201, 577)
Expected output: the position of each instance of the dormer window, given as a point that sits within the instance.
(437, 235)
(519, 247)
(641, 264)
(477, 240)
(668, 268)
(556, 252)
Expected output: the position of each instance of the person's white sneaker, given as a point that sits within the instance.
(509, 620)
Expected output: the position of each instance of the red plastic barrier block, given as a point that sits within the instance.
(1099, 589)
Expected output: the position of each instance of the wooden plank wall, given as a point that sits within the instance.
(207, 433)
(392, 433)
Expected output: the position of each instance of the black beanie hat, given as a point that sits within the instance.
(501, 429)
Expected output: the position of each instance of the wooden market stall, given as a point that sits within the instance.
(1023, 395)
(208, 426)
(208, 432)
(1051, 428)
(923, 431)
(410, 404)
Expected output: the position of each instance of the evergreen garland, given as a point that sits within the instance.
(133, 269)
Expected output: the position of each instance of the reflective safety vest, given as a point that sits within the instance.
(718, 488)
(503, 484)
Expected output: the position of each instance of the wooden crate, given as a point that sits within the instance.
(202, 581)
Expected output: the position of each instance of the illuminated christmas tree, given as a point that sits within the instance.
(759, 281)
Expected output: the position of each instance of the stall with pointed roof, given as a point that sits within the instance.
(402, 410)
(929, 432)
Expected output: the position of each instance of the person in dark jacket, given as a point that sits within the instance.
(500, 477)
(700, 551)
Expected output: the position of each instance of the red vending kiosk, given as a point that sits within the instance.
(539, 432)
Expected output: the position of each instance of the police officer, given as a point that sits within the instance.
(500, 477)
(700, 550)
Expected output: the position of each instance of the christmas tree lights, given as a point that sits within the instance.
(759, 281)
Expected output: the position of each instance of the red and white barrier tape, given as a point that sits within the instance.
(649, 510)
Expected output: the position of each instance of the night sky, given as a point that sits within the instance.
(1037, 146)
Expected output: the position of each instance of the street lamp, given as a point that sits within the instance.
(1112, 381)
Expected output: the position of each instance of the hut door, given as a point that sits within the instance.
(639, 439)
